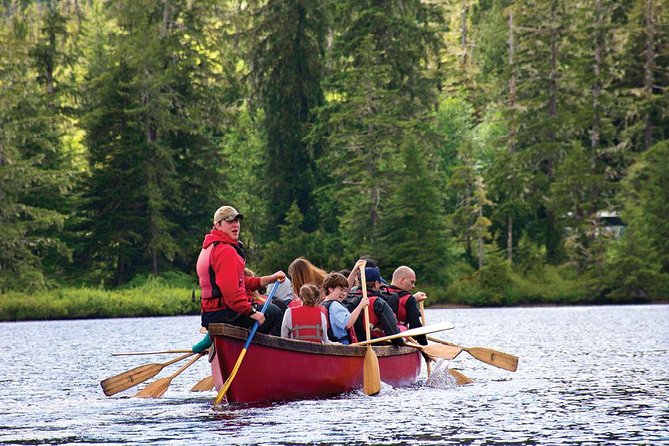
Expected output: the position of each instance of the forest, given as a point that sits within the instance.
(510, 152)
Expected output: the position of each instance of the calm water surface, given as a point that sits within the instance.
(587, 375)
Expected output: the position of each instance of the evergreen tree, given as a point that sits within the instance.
(149, 118)
(380, 91)
(412, 230)
(34, 172)
(285, 62)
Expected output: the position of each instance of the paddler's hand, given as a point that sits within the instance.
(258, 316)
(279, 276)
(420, 296)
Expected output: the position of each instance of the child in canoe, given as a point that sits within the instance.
(340, 320)
(306, 322)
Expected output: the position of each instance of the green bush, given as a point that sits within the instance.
(154, 298)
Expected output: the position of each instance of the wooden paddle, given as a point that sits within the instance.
(460, 379)
(437, 351)
(204, 385)
(159, 352)
(235, 369)
(371, 374)
(489, 356)
(157, 388)
(424, 321)
(427, 329)
(138, 375)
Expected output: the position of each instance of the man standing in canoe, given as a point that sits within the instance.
(220, 269)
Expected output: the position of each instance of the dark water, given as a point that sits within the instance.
(587, 375)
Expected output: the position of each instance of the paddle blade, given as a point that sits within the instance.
(226, 384)
(156, 389)
(131, 378)
(204, 385)
(441, 351)
(460, 379)
(493, 357)
(371, 375)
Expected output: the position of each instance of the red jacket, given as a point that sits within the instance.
(220, 269)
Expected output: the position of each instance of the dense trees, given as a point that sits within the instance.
(480, 142)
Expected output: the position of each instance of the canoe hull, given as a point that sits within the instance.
(276, 369)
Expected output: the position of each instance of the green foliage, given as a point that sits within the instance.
(638, 264)
(413, 230)
(153, 298)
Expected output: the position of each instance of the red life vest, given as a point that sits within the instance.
(295, 303)
(373, 318)
(306, 324)
(212, 297)
(401, 309)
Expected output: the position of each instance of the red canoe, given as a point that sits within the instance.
(276, 369)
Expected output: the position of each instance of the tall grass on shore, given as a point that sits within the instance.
(152, 298)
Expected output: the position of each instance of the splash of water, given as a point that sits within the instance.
(440, 378)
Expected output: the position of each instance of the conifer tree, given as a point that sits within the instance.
(286, 45)
(34, 173)
(380, 91)
(413, 225)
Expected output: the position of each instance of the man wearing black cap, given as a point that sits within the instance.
(220, 269)
(382, 318)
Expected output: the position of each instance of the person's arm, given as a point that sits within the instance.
(286, 324)
(354, 273)
(356, 312)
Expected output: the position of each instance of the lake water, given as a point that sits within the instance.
(587, 375)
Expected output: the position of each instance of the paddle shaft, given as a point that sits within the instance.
(158, 352)
(413, 332)
(158, 388)
(228, 381)
(371, 375)
(424, 320)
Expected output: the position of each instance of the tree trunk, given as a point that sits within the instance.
(511, 137)
(648, 72)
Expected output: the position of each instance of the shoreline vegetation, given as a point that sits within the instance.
(156, 296)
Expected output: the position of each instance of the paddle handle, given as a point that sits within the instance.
(158, 352)
(363, 285)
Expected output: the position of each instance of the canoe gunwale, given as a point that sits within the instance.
(234, 332)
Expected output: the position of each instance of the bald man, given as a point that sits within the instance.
(402, 302)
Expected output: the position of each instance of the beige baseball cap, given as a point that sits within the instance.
(227, 213)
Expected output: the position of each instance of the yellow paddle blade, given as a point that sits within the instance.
(371, 375)
(204, 385)
(226, 385)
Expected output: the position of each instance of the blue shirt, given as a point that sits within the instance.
(339, 316)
